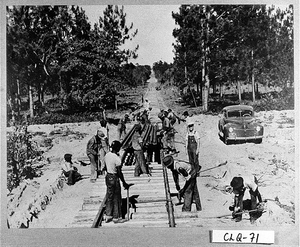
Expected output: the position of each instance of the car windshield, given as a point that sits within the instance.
(240, 113)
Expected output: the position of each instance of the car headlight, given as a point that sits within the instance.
(230, 129)
(257, 128)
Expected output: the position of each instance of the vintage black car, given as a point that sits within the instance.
(237, 123)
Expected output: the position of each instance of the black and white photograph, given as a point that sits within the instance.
(150, 124)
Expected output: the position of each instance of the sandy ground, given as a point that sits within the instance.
(272, 162)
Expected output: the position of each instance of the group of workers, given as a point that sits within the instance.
(106, 158)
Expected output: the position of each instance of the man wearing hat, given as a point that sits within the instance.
(168, 139)
(239, 185)
(93, 147)
(121, 128)
(69, 170)
(141, 167)
(112, 180)
(193, 146)
(190, 190)
(147, 105)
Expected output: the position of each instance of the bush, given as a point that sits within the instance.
(284, 100)
(21, 152)
(55, 118)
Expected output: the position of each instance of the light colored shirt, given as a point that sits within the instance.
(193, 133)
(147, 105)
(104, 130)
(112, 161)
(187, 120)
(166, 124)
(66, 166)
(137, 141)
(249, 182)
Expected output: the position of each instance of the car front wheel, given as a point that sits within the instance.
(258, 141)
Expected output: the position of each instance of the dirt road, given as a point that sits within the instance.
(272, 162)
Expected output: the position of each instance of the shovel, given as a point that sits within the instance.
(129, 185)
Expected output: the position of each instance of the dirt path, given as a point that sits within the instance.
(272, 162)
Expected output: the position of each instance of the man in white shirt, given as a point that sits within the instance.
(147, 105)
(239, 185)
(112, 180)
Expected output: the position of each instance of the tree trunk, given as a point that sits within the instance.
(214, 88)
(206, 93)
(43, 94)
(203, 76)
(193, 96)
(185, 69)
(252, 77)
(18, 98)
(221, 91)
(253, 87)
(30, 101)
(61, 93)
(239, 90)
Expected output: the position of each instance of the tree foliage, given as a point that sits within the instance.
(161, 70)
(221, 44)
(53, 49)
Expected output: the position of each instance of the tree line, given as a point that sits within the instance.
(55, 50)
(219, 45)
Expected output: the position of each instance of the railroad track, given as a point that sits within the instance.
(153, 203)
(151, 199)
(152, 209)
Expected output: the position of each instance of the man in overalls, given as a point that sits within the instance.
(193, 147)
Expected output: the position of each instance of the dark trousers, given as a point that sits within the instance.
(254, 195)
(94, 166)
(150, 151)
(114, 197)
(72, 176)
(193, 157)
(191, 194)
(140, 163)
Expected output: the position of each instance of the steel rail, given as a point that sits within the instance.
(99, 217)
(169, 203)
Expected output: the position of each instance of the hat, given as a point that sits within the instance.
(138, 127)
(237, 183)
(100, 133)
(168, 160)
(190, 123)
(67, 156)
(116, 146)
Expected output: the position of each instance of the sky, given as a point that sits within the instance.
(155, 26)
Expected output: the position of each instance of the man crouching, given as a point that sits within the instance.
(238, 187)
(70, 171)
